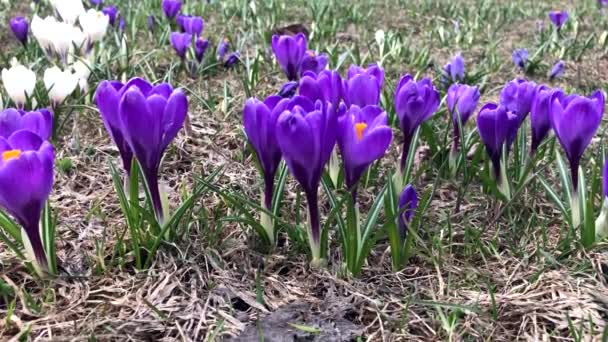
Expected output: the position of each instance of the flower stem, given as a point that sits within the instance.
(265, 218)
(314, 233)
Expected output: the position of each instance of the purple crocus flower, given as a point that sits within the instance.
(312, 62)
(462, 101)
(200, 46)
(232, 59)
(288, 90)
(557, 70)
(575, 120)
(289, 52)
(26, 180)
(260, 122)
(520, 57)
(325, 86)
(181, 42)
(112, 12)
(454, 70)
(539, 116)
(495, 124)
(179, 20)
(222, 48)
(107, 97)
(415, 102)
(171, 8)
(363, 137)
(151, 23)
(38, 121)
(408, 203)
(150, 117)
(20, 26)
(363, 86)
(558, 18)
(517, 97)
(192, 25)
(306, 161)
(96, 3)
(602, 3)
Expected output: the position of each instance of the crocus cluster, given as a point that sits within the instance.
(294, 58)
(26, 175)
(143, 119)
(191, 28)
(58, 37)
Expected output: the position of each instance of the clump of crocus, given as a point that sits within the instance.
(147, 117)
(19, 83)
(181, 42)
(539, 116)
(306, 161)
(575, 120)
(363, 86)
(26, 180)
(191, 24)
(557, 70)
(453, 70)
(171, 8)
(260, 121)
(20, 27)
(415, 102)
(494, 124)
(520, 58)
(462, 101)
(558, 18)
(601, 223)
(363, 137)
(37, 121)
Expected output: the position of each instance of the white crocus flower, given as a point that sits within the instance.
(68, 10)
(19, 83)
(82, 70)
(43, 31)
(60, 84)
(94, 25)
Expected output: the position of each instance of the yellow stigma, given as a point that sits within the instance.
(359, 128)
(11, 154)
(311, 54)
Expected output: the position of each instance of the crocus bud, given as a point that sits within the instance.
(112, 13)
(19, 83)
(454, 70)
(151, 23)
(363, 86)
(601, 223)
(520, 57)
(557, 70)
(539, 116)
(60, 84)
(171, 8)
(289, 51)
(232, 59)
(200, 46)
(575, 120)
(19, 26)
(181, 42)
(558, 18)
(222, 48)
(415, 102)
(408, 203)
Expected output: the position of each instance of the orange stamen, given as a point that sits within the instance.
(359, 128)
(11, 154)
